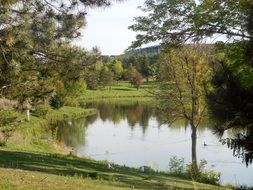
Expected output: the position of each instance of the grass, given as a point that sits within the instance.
(22, 170)
(118, 90)
(29, 135)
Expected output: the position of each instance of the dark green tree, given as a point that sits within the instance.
(35, 45)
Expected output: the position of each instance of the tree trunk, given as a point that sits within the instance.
(194, 152)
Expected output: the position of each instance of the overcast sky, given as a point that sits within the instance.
(108, 28)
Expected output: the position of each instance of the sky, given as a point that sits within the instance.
(107, 28)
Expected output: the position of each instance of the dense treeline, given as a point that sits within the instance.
(127, 67)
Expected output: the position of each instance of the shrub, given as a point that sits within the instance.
(57, 101)
(41, 110)
(75, 88)
(176, 165)
(202, 175)
(71, 102)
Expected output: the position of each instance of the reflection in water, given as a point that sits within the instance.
(71, 132)
(132, 134)
(134, 113)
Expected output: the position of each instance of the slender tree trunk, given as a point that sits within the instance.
(194, 146)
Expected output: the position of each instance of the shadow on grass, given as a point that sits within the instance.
(73, 166)
(123, 89)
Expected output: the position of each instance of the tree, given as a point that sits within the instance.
(185, 76)
(135, 78)
(145, 68)
(117, 68)
(35, 41)
(180, 21)
(106, 77)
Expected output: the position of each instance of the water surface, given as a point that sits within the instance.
(132, 135)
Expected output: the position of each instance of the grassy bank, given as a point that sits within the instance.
(120, 90)
(23, 170)
(34, 135)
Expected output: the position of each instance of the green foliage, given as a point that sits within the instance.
(135, 78)
(36, 50)
(75, 88)
(185, 74)
(117, 68)
(230, 98)
(106, 77)
(9, 121)
(57, 100)
(92, 79)
(209, 177)
(41, 110)
(176, 165)
(179, 21)
(10, 118)
(202, 175)
(71, 101)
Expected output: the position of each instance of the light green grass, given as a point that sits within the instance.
(28, 135)
(118, 90)
(22, 170)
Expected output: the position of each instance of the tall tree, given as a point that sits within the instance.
(185, 75)
(117, 68)
(145, 68)
(35, 38)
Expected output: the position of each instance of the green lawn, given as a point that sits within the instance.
(23, 170)
(119, 90)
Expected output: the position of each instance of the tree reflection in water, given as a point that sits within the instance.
(135, 113)
(71, 132)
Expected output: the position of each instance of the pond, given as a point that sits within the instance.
(132, 135)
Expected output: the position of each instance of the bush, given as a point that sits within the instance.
(202, 175)
(57, 100)
(76, 88)
(92, 79)
(41, 110)
(210, 177)
(71, 102)
(176, 165)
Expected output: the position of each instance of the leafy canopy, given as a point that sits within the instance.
(180, 21)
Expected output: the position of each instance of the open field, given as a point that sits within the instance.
(119, 90)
